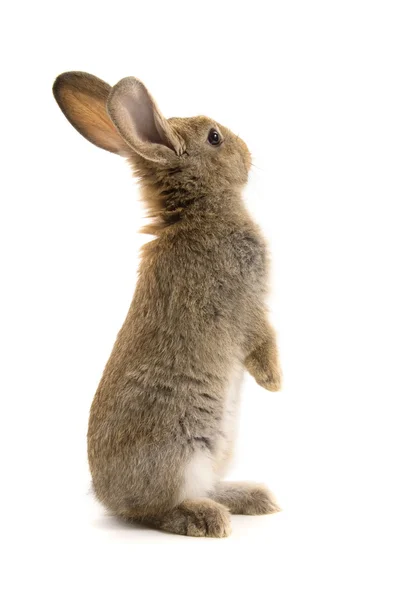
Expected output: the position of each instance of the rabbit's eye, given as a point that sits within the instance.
(214, 138)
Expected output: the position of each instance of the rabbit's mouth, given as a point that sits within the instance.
(245, 153)
(248, 162)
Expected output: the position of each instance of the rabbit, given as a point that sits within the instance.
(162, 423)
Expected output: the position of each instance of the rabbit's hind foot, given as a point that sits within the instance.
(198, 518)
(242, 498)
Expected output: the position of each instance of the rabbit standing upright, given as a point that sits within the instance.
(162, 423)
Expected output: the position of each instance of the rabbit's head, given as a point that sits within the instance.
(196, 155)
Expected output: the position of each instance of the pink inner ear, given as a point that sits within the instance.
(142, 114)
(136, 117)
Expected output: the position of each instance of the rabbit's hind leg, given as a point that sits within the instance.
(242, 498)
(195, 513)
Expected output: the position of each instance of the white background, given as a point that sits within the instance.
(313, 88)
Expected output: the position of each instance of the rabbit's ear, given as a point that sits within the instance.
(83, 100)
(139, 121)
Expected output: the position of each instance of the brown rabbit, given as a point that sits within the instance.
(162, 423)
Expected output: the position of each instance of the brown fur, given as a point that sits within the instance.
(243, 498)
(157, 427)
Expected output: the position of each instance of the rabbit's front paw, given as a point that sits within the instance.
(263, 365)
(271, 379)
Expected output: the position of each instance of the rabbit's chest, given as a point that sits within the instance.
(232, 400)
(229, 421)
(248, 253)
